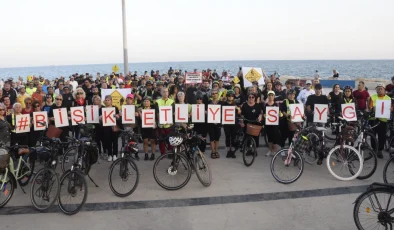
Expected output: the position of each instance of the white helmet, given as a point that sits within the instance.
(175, 141)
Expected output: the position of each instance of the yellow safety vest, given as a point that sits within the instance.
(348, 102)
(161, 102)
(376, 97)
(13, 122)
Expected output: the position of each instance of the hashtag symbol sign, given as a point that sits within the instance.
(23, 123)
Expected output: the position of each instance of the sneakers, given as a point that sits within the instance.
(114, 158)
(231, 154)
(269, 153)
(146, 157)
(152, 157)
(136, 157)
(109, 158)
(379, 155)
(228, 154)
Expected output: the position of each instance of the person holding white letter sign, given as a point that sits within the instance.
(317, 98)
(271, 113)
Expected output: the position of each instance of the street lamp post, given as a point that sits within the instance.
(125, 55)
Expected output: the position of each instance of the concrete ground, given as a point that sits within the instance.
(239, 197)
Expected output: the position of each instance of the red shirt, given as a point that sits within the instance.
(361, 97)
(389, 88)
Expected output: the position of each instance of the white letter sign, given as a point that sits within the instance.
(92, 114)
(181, 113)
(214, 114)
(148, 118)
(320, 113)
(22, 123)
(382, 109)
(349, 112)
(40, 117)
(61, 118)
(108, 116)
(272, 115)
(198, 113)
(165, 115)
(77, 115)
(128, 114)
(228, 115)
(296, 112)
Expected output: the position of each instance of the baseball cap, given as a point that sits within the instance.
(379, 85)
(308, 82)
(271, 92)
(130, 96)
(237, 86)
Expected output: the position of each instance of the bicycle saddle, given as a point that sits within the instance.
(321, 129)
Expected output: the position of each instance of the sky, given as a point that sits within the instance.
(48, 32)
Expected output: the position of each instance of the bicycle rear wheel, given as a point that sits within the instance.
(44, 189)
(249, 151)
(344, 163)
(371, 210)
(123, 177)
(203, 170)
(7, 187)
(388, 171)
(287, 172)
(369, 164)
(73, 185)
(172, 171)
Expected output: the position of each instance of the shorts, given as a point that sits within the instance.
(148, 133)
(214, 133)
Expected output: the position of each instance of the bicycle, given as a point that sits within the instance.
(186, 157)
(372, 209)
(245, 142)
(127, 167)
(9, 175)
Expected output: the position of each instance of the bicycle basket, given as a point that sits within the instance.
(43, 153)
(348, 134)
(302, 143)
(175, 140)
(253, 130)
(4, 158)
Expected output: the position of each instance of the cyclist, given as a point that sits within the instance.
(250, 110)
(215, 129)
(362, 96)
(230, 131)
(148, 134)
(201, 128)
(305, 93)
(287, 132)
(317, 98)
(348, 96)
(272, 130)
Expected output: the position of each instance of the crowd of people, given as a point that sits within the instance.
(152, 90)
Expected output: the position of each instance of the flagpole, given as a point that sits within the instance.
(125, 54)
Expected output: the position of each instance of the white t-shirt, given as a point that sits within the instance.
(74, 84)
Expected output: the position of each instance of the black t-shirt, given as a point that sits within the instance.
(88, 92)
(314, 99)
(251, 112)
(336, 100)
(191, 95)
(67, 100)
(239, 100)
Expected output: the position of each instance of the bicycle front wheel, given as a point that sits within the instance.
(44, 189)
(7, 187)
(123, 177)
(344, 162)
(172, 171)
(249, 151)
(287, 170)
(203, 171)
(372, 209)
(73, 192)
(70, 157)
(388, 171)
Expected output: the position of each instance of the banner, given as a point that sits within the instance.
(181, 113)
(382, 109)
(251, 74)
(116, 94)
(61, 117)
(92, 114)
(40, 117)
(108, 116)
(320, 113)
(198, 113)
(272, 115)
(77, 115)
(128, 114)
(165, 115)
(228, 115)
(349, 112)
(193, 78)
(148, 118)
(22, 123)
(296, 112)
(214, 114)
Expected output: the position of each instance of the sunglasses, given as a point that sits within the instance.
(37, 106)
(251, 97)
(79, 93)
(59, 99)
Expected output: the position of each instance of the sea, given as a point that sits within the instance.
(348, 69)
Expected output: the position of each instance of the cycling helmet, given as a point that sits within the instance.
(175, 140)
(291, 91)
(347, 87)
(230, 92)
(149, 82)
(159, 83)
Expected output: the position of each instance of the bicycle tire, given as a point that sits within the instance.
(70, 156)
(387, 172)
(9, 188)
(370, 163)
(353, 159)
(373, 138)
(330, 136)
(201, 165)
(368, 208)
(176, 157)
(25, 180)
(298, 161)
(123, 162)
(310, 155)
(71, 188)
(391, 147)
(36, 180)
(249, 151)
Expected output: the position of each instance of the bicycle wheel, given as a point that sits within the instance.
(369, 139)
(172, 171)
(70, 157)
(26, 169)
(340, 160)
(249, 151)
(7, 187)
(287, 172)
(388, 171)
(311, 155)
(72, 186)
(330, 134)
(44, 190)
(391, 147)
(123, 177)
(203, 170)
(369, 164)
(372, 209)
